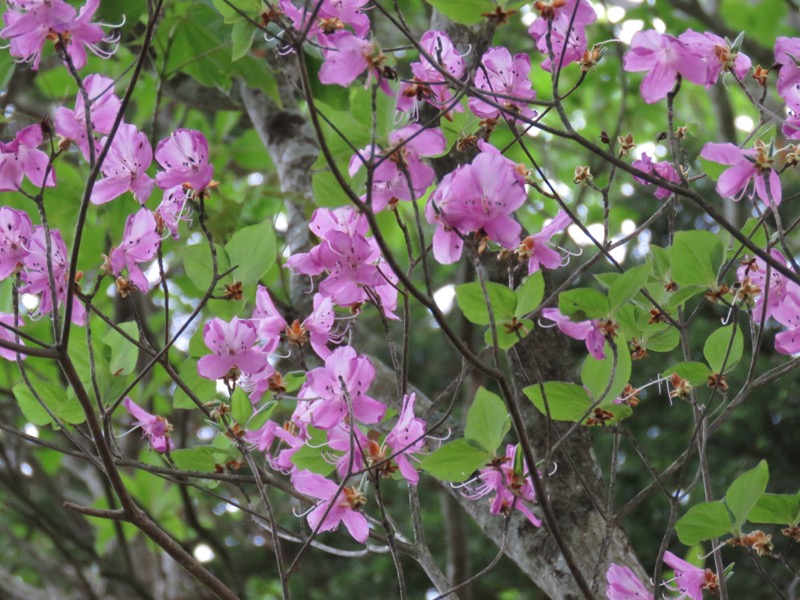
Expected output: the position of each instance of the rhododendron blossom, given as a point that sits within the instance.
(691, 580)
(9, 336)
(745, 166)
(500, 72)
(21, 158)
(184, 158)
(125, 167)
(624, 585)
(140, 244)
(537, 247)
(15, 231)
(233, 352)
(586, 331)
(663, 169)
(336, 506)
(406, 438)
(156, 429)
(71, 124)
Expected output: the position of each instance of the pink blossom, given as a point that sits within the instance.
(664, 57)
(501, 73)
(663, 169)
(691, 580)
(336, 508)
(345, 375)
(36, 273)
(184, 158)
(9, 336)
(15, 231)
(255, 385)
(348, 57)
(401, 164)
(319, 324)
(771, 293)
(20, 157)
(586, 331)
(155, 429)
(330, 15)
(232, 347)
(513, 489)
(264, 437)
(339, 440)
(717, 53)
(140, 244)
(537, 247)
(428, 83)
(170, 212)
(406, 438)
(787, 53)
(787, 313)
(125, 167)
(71, 124)
(746, 165)
(568, 44)
(267, 321)
(624, 585)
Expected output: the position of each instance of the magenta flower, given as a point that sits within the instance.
(264, 437)
(717, 53)
(691, 580)
(537, 247)
(746, 165)
(624, 585)
(7, 335)
(232, 346)
(15, 231)
(501, 73)
(140, 244)
(788, 315)
(407, 438)
(348, 57)
(125, 167)
(170, 212)
(787, 53)
(267, 321)
(663, 169)
(586, 331)
(318, 326)
(330, 15)
(71, 124)
(255, 385)
(339, 440)
(20, 157)
(512, 489)
(402, 165)
(664, 57)
(155, 429)
(778, 287)
(36, 277)
(428, 83)
(184, 158)
(568, 44)
(335, 508)
(344, 375)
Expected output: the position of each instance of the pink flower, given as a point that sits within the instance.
(348, 57)
(36, 273)
(407, 438)
(125, 167)
(587, 331)
(15, 231)
(170, 212)
(717, 53)
(140, 243)
(501, 73)
(345, 375)
(20, 157)
(184, 158)
(232, 346)
(663, 169)
(329, 14)
(779, 289)
(9, 336)
(428, 83)
(691, 580)
(571, 43)
(264, 437)
(787, 53)
(512, 489)
(624, 585)
(155, 429)
(334, 508)
(339, 440)
(664, 57)
(267, 321)
(316, 328)
(71, 124)
(536, 248)
(746, 165)
(401, 165)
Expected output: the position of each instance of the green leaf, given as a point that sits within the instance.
(695, 258)
(231, 15)
(124, 354)
(661, 263)
(204, 389)
(583, 303)
(197, 264)
(716, 348)
(487, 421)
(565, 401)
(253, 250)
(703, 522)
(661, 338)
(456, 461)
(241, 407)
(778, 509)
(745, 491)
(241, 39)
(472, 302)
(627, 285)
(55, 398)
(530, 294)
(696, 373)
(596, 374)
(310, 456)
(466, 12)
(199, 458)
(507, 332)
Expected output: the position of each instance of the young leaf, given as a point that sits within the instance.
(745, 491)
(716, 349)
(472, 302)
(584, 303)
(252, 250)
(199, 458)
(778, 509)
(529, 294)
(704, 521)
(123, 353)
(487, 421)
(627, 285)
(456, 461)
(596, 374)
(565, 401)
(241, 407)
(695, 258)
